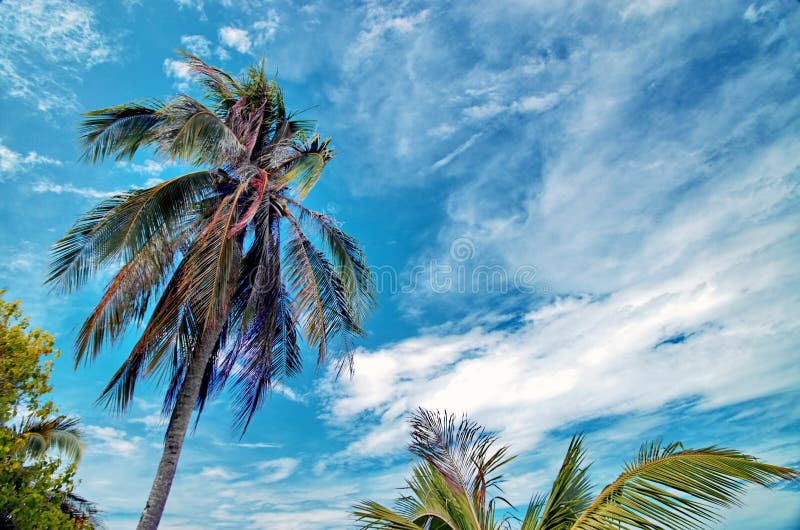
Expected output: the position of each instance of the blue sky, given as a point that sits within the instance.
(583, 215)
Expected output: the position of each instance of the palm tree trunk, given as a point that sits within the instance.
(176, 430)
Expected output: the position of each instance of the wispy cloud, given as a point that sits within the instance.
(148, 167)
(455, 152)
(42, 42)
(46, 186)
(13, 162)
(196, 44)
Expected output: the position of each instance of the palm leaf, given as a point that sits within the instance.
(320, 298)
(121, 225)
(348, 258)
(120, 130)
(570, 495)
(60, 433)
(668, 487)
(306, 167)
(221, 87)
(192, 133)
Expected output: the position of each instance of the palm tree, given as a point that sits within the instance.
(663, 487)
(223, 266)
(60, 433)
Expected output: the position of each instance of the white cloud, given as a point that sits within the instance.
(46, 186)
(300, 519)
(148, 167)
(288, 393)
(196, 44)
(276, 470)
(154, 421)
(236, 38)
(44, 43)
(112, 441)
(264, 30)
(455, 152)
(380, 23)
(217, 472)
(178, 70)
(13, 162)
(536, 103)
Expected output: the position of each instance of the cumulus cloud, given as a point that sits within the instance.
(236, 38)
(112, 441)
(179, 71)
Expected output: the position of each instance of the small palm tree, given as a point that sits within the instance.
(663, 487)
(223, 267)
(60, 433)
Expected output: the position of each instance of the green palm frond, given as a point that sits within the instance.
(373, 515)
(676, 488)
(59, 433)
(666, 487)
(120, 130)
(121, 225)
(570, 495)
(192, 133)
(306, 167)
(463, 452)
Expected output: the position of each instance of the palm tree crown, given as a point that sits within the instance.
(665, 487)
(230, 247)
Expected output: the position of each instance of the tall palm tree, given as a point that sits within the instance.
(665, 487)
(223, 266)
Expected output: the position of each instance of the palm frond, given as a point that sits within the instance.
(118, 227)
(192, 133)
(676, 488)
(221, 87)
(348, 259)
(321, 301)
(372, 515)
(306, 167)
(463, 452)
(83, 512)
(570, 495)
(120, 130)
(59, 433)
(128, 294)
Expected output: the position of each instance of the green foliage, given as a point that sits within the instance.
(34, 488)
(23, 378)
(666, 487)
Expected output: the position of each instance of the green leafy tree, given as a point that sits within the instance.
(36, 491)
(223, 267)
(665, 487)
